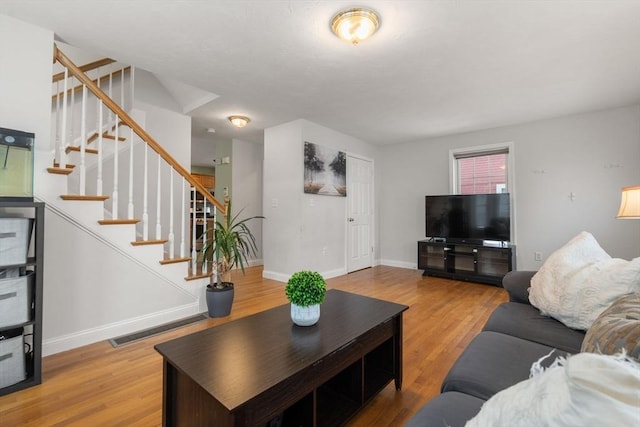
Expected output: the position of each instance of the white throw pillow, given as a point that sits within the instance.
(580, 280)
(586, 389)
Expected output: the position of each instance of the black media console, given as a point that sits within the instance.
(463, 261)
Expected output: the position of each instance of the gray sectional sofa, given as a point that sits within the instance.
(514, 337)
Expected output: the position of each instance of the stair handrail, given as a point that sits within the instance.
(86, 67)
(124, 117)
(79, 87)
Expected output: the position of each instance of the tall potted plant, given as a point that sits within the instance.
(231, 243)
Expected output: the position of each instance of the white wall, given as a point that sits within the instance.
(246, 192)
(170, 129)
(224, 172)
(25, 78)
(592, 155)
(150, 91)
(299, 226)
(106, 294)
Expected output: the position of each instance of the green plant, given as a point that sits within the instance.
(231, 243)
(306, 288)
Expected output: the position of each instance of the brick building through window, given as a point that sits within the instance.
(482, 173)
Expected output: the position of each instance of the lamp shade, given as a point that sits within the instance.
(630, 203)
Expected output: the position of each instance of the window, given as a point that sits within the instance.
(484, 169)
(480, 170)
(482, 174)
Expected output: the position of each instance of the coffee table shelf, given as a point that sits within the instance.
(316, 376)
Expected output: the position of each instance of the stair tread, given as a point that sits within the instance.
(109, 136)
(83, 198)
(118, 221)
(149, 242)
(198, 276)
(68, 165)
(60, 171)
(77, 149)
(175, 260)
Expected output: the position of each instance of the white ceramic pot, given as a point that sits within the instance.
(305, 316)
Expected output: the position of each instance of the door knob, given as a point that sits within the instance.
(351, 220)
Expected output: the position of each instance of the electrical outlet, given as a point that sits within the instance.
(537, 256)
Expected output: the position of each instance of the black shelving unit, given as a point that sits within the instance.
(462, 261)
(32, 329)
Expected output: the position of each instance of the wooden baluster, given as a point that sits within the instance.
(100, 126)
(83, 142)
(182, 221)
(205, 264)
(130, 206)
(99, 133)
(171, 207)
(122, 88)
(72, 107)
(114, 196)
(145, 195)
(159, 204)
(109, 93)
(57, 141)
(194, 255)
(131, 87)
(62, 155)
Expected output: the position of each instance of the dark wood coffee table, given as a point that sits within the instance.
(262, 367)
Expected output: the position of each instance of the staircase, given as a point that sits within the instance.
(107, 177)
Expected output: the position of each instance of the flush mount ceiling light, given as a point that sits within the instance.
(355, 25)
(239, 121)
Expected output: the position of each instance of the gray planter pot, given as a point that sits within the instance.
(219, 301)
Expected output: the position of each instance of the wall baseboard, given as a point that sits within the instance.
(399, 264)
(282, 277)
(273, 275)
(93, 335)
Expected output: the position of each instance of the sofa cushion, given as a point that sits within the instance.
(493, 362)
(517, 284)
(525, 321)
(580, 280)
(616, 329)
(585, 390)
(451, 409)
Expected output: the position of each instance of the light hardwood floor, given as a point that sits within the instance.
(98, 385)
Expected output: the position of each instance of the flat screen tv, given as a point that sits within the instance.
(469, 218)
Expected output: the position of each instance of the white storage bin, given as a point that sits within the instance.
(15, 234)
(15, 299)
(12, 360)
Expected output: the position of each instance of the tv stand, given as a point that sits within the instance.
(466, 261)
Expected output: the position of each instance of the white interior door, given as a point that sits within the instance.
(359, 213)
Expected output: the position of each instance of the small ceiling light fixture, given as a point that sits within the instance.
(355, 25)
(211, 130)
(239, 121)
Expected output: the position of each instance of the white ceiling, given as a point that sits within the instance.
(433, 68)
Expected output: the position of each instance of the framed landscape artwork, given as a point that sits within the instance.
(325, 170)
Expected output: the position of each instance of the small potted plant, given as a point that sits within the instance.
(306, 291)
